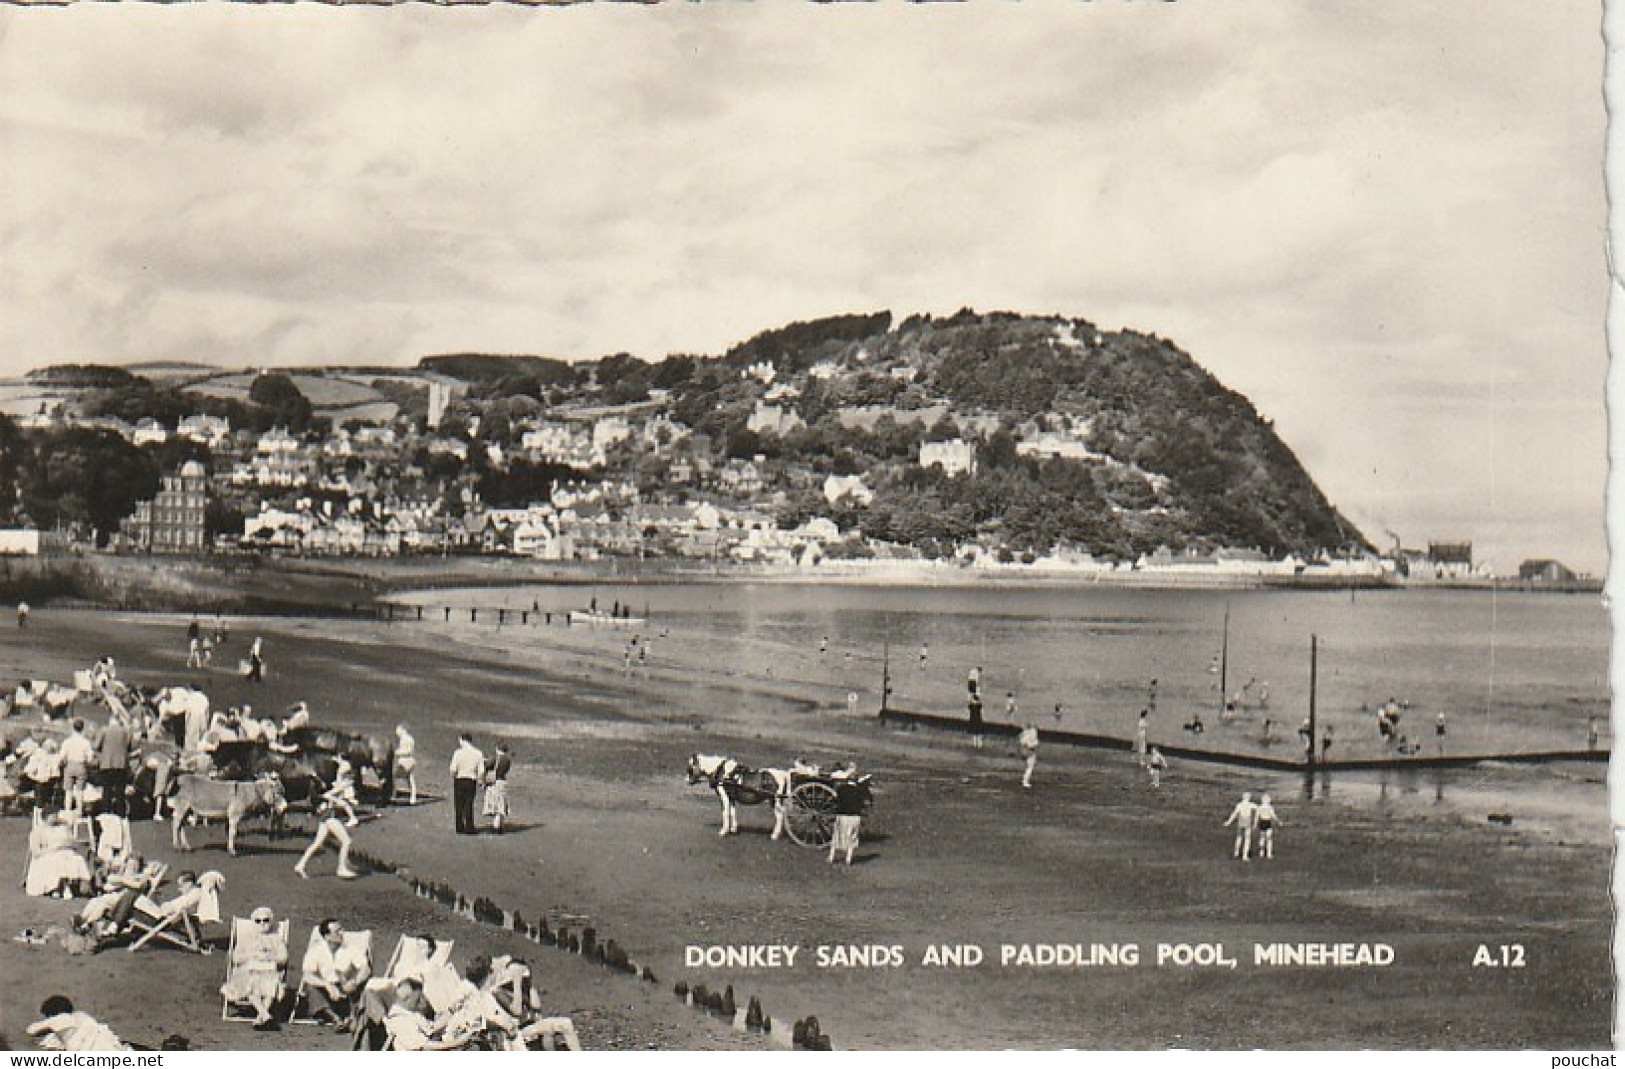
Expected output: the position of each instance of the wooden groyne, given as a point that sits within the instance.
(1254, 761)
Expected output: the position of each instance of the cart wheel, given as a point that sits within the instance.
(811, 816)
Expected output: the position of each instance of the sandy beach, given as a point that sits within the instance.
(605, 833)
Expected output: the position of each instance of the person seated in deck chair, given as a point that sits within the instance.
(509, 986)
(196, 899)
(475, 1011)
(409, 1026)
(257, 961)
(333, 973)
(107, 912)
(56, 866)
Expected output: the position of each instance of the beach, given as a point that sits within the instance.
(605, 833)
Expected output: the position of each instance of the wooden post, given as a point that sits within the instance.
(1314, 655)
(1224, 664)
(885, 678)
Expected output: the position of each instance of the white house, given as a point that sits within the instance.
(607, 430)
(542, 542)
(149, 432)
(955, 456)
(773, 419)
(1050, 444)
(837, 487)
(212, 431)
(19, 543)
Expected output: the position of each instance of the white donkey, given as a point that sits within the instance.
(736, 785)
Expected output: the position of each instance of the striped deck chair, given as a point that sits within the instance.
(412, 957)
(356, 944)
(101, 909)
(232, 1009)
(179, 921)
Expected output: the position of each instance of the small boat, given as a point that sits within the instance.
(604, 619)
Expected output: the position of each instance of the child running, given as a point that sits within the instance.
(328, 826)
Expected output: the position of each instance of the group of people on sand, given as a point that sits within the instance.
(469, 772)
(1147, 756)
(1255, 824)
(76, 778)
(1029, 737)
(201, 646)
(420, 1002)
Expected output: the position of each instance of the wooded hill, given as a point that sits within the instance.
(1154, 450)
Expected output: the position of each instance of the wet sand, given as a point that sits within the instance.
(955, 853)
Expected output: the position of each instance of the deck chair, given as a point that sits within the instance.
(355, 943)
(179, 921)
(231, 1010)
(410, 958)
(101, 908)
(444, 987)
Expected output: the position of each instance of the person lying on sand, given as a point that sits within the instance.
(61, 1027)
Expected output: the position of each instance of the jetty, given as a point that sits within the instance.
(1086, 740)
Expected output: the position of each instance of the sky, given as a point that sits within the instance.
(1384, 223)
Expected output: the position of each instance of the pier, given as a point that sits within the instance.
(1085, 740)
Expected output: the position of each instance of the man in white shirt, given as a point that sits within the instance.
(467, 769)
(333, 972)
(78, 756)
(408, 1026)
(1245, 818)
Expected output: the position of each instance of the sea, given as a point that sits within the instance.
(1509, 672)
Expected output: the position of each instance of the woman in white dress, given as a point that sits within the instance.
(55, 863)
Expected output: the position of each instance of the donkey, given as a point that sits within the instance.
(736, 785)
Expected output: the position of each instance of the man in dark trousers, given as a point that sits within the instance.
(467, 768)
(256, 661)
(113, 760)
(973, 705)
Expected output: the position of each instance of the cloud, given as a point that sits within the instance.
(1337, 207)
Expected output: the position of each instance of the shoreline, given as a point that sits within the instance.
(345, 586)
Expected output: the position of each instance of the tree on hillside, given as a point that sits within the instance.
(171, 453)
(14, 454)
(672, 372)
(281, 399)
(86, 478)
(82, 376)
(801, 344)
(523, 483)
(221, 517)
(140, 399)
